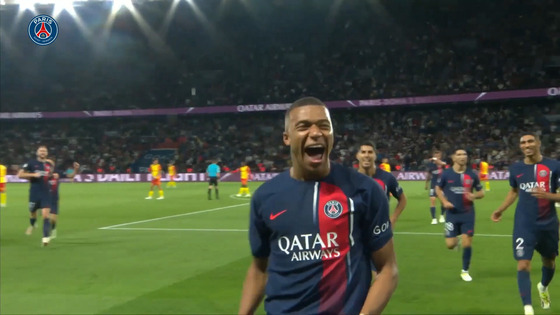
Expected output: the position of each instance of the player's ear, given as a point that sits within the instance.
(286, 138)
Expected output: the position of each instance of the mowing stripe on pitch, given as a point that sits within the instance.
(171, 216)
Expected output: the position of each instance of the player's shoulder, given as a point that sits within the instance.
(551, 163)
(273, 185)
(385, 174)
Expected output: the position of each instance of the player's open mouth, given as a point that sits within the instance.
(315, 152)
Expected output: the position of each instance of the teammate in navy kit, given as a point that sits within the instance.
(54, 184)
(366, 165)
(535, 181)
(455, 191)
(435, 168)
(315, 229)
(38, 171)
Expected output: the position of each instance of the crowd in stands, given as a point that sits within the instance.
(405, 135)
(232, 52)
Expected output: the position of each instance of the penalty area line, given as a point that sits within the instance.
(171, 216)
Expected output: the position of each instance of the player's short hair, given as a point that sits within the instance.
(304, 101)
(42, 146)
(459, 148)
(530, 133)
(366, 143)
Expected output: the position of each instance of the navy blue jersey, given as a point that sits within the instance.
(530, 211)
(388, 183)
(318, 237)
(436, 171)
(456, 185)
(38, 185)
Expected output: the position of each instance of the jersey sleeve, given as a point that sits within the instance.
(27, 167)
(512, 178)
(377, 229)
(217, 169)
(394, 187)
(442, 180)
(476, 183)
(259, 234)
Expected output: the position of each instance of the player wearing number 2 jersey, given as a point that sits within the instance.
(535, 181)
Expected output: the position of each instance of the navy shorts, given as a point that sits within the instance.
(457, 224)
(39, 201)
(213, 181)
(525, 242)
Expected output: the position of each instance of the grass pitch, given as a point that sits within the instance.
(117, 253)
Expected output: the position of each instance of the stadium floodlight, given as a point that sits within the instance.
(118, 4)
(25, 5)
(63, 5)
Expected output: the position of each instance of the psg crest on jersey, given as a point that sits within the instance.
(468, 181)
(333, 209)
(542, 173)
(42, 30)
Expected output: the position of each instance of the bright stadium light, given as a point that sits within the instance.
(63, 5)
(118, 4)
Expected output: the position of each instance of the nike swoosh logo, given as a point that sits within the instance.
(519, 175)
(274, 216)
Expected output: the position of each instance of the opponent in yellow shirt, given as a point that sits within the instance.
(172, 172)
(483, 168)
(245, 174)
(385, 165)
(155, 169)
(3, 171)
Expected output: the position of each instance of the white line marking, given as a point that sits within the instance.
(245, 230)
(172, 216)
(428, 233)
(191, 230)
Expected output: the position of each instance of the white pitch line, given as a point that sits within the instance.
(245, 230)
(190, 230)
(428, 233)
(171, 216)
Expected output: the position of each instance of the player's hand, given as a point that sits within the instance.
(37, 174)
(55, 176)
(496, 216)
(76, 165)
(470, 196)
(539, 193)
(448, 205)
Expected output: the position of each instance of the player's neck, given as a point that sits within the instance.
(300, 174)
(459, 169)
(370, 171)
(534, 159)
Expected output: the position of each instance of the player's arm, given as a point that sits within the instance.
(75, 171)
(479, 194)
(510, 198)
(401, 204)
(397, 192)
(540, 193)
(24, 174)
(385, 282)
(438, 161)
(446, 204)
(253, 286)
